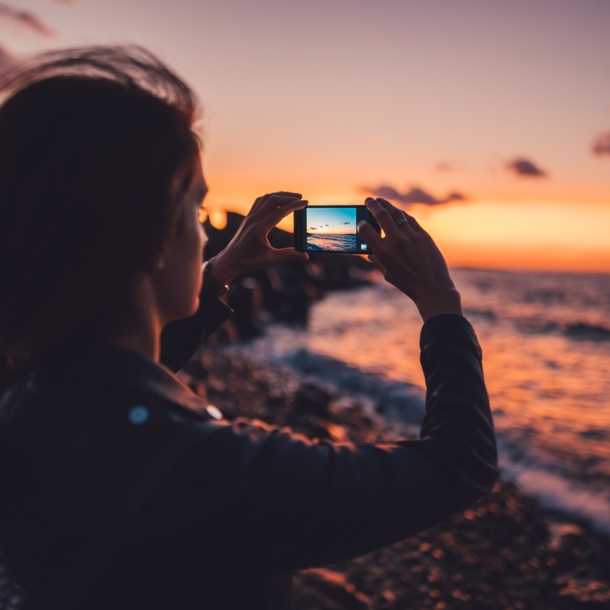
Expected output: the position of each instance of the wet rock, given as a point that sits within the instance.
(319, 589)
(310, 398)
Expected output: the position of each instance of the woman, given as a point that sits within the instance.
(119, 489)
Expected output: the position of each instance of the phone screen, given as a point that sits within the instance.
(328, 228)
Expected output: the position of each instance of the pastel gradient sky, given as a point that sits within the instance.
(337, 98)
(331, 221)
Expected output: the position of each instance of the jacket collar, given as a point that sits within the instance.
(101, 365)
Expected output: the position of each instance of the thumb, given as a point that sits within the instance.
(369, 235)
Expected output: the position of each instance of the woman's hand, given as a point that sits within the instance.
(250, 250)
(410, 260)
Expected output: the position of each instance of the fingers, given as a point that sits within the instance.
(382, 216)
(261, 201)
(278, 214)
(397, 214)
(369, 235)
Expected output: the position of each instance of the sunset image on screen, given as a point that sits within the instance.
(331, 229)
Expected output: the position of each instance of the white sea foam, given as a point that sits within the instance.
(556, 492)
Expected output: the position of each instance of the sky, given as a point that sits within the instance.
(331, 221)
(488, 120)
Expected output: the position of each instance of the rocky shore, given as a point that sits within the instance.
(504, 552)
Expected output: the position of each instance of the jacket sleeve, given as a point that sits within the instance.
(298, 503)
(181, 339)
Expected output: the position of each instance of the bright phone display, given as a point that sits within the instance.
(331, 228)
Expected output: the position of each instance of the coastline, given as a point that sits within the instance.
(505, 551)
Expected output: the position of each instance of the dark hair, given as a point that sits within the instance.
(97, 148)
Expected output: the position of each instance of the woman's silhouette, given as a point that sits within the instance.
(119, 489)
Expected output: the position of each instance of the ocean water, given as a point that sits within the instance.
(336, 243)
(546, 358)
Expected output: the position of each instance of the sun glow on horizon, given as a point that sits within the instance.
(504, 234)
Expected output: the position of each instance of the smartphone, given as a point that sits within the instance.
(331, 228)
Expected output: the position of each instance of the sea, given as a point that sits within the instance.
(334, 243)
(546, 359)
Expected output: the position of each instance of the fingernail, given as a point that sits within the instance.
(360, 224)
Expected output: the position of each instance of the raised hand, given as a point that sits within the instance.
(250, 250)
(409, 259)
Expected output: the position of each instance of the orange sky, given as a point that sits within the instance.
(331, 98)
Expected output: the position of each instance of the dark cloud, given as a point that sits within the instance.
(524, 167)
(601, 145)
(415, 195)
(24, 19)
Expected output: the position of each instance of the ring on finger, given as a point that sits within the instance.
(402, 221)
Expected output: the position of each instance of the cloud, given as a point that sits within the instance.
(447, 166)
(414, 195)
(601, 145)
(524, 167)
(24, 19)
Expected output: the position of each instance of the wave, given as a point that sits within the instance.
(576, 330)
(392, 397)
(556, 492)
(400, 407)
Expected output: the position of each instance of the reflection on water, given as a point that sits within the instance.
(546, 350)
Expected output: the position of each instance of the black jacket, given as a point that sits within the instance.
(249, 504)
